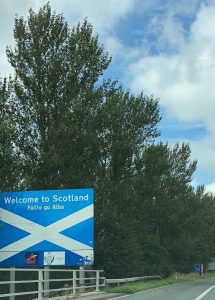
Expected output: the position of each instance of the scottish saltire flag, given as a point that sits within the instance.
(54, 227)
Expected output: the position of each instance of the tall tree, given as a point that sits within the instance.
(56, 70)
(128, 124)
(9, 160)
(161, 186)
(198, 224)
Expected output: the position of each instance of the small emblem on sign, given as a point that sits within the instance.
(56, 258)
(31, 258)
(49, 259)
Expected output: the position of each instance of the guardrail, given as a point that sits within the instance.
(132, 279)
(78, 280)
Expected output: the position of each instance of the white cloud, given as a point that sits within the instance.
(184, 79)
(204, 149)
(113, 46)
(210, 188)
(102, 14)
(8, 10)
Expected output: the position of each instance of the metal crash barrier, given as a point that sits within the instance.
(46, 284)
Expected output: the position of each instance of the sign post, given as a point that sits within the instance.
(202, 269)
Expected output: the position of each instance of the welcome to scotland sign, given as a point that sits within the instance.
(53, 227)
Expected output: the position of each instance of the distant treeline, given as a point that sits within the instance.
(62, 126)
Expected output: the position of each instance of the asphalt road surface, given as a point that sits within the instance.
(194, 290)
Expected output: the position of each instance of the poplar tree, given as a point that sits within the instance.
(55, 85)
(9, 160)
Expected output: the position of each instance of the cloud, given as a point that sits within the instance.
(210, 188)
(203, 150)
(102, 14)
(8, 11)
(183, 80)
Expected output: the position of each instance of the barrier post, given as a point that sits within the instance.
(40, 285)
(12, 283)
(46, 283)
(74, 282)
(97, 281)
(81, 279)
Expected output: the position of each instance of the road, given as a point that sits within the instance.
(194, 290)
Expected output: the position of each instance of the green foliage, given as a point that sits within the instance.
(56, 70)
(169, 210)
(9, 161)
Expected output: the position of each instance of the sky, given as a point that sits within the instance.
(165, 48)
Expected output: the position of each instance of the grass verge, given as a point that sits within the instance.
(134, 287)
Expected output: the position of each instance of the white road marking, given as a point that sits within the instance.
(142, 292)
(205, 293)
(121, 297)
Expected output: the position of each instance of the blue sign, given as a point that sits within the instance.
(40, 228)
(197, 267)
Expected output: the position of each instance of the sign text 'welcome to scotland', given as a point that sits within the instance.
(53, 227)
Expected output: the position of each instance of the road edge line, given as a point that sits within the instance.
(156, 288)
(205, 293)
